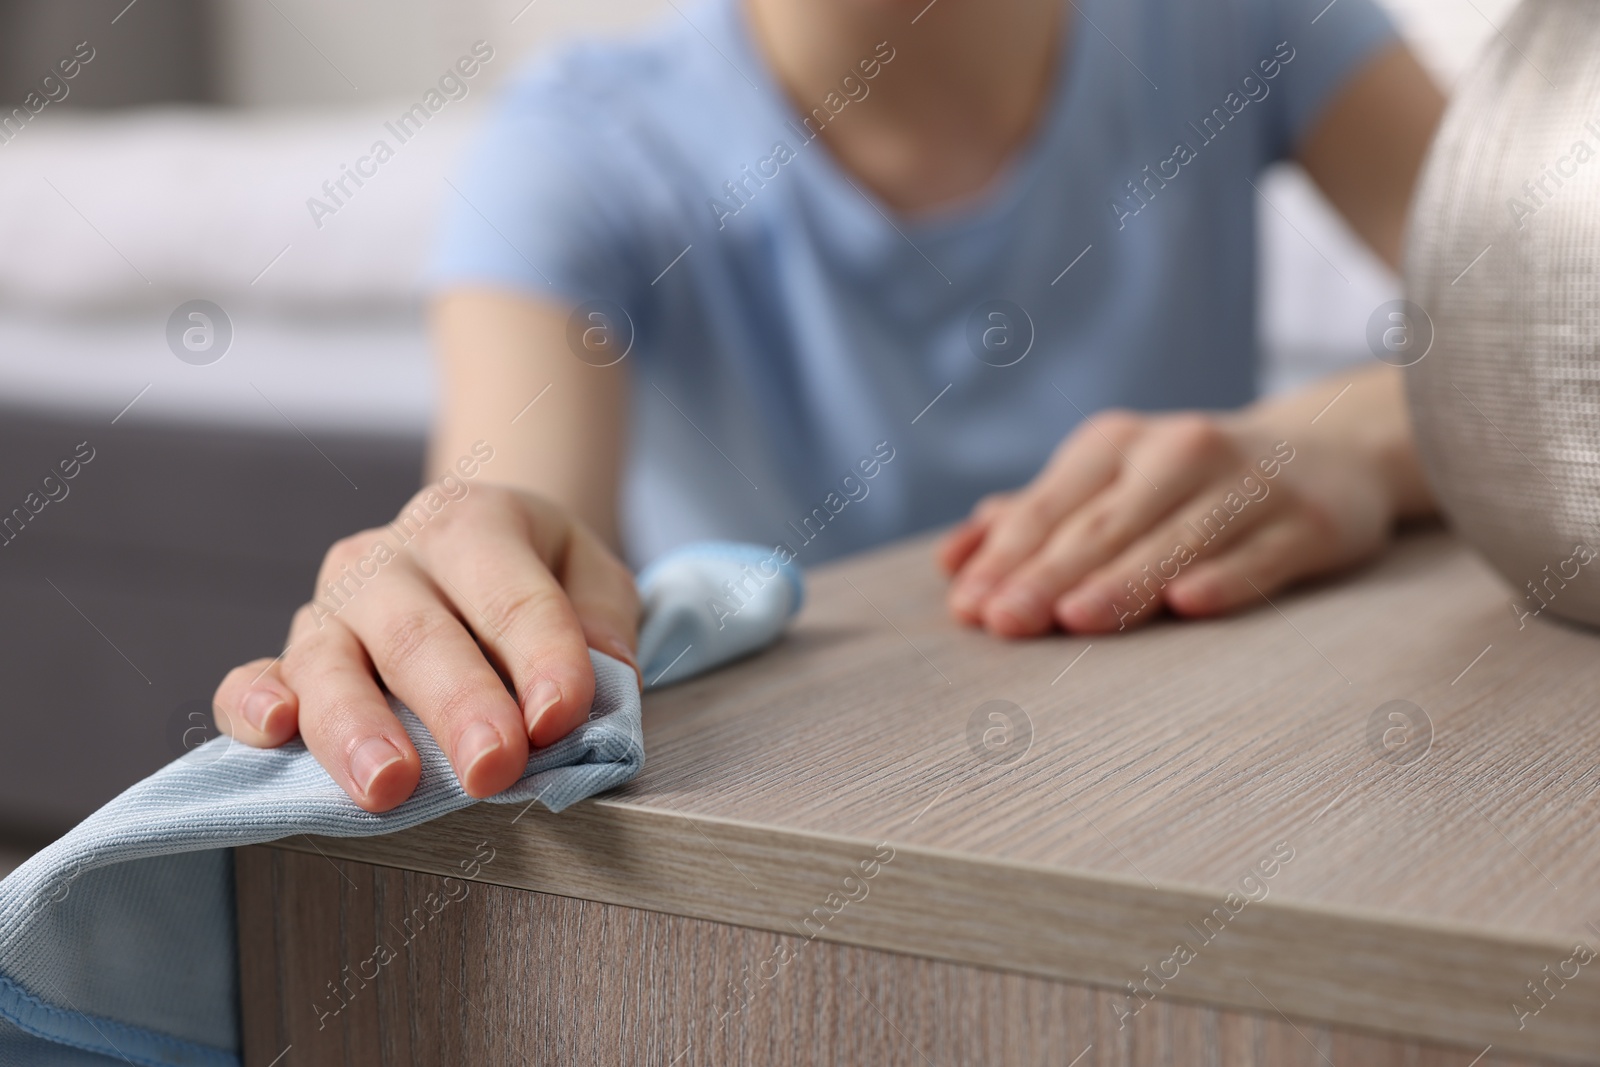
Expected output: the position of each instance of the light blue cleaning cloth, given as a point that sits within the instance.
(117, 941)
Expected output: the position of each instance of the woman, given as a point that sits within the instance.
(820, 273)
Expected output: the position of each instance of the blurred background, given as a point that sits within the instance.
(174, 165)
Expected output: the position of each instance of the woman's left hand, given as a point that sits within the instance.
(1198, 514)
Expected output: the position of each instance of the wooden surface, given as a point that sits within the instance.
(1162, 767)
(509, 976)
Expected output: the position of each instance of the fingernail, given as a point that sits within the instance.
(1074, 611)
(1022, 605)
(369, 759)
(478, 741)
(258, 708)
(545, 696)
(1088, 609)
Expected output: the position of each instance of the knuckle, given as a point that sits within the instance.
(461, 702)
(345, 550)
(1191, 431)
(511, 606)
(1196, 437)
(425, 516)
(426, 492)
(1033, 512)
(345, 553)
(306, 658)
(1102, 528)
(434, 515)
(991, 505)
(407, 633)
(338, 717)
(1010, 540)
(1119, 424)
(305, 618)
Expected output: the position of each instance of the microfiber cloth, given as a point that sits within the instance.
(117, 942)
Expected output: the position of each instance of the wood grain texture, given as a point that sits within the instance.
(1153, 775)
(508, 976)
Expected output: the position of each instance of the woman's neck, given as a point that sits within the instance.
(966, 88)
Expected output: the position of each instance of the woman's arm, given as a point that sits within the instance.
(557, 423)
(491, 577)
(1365, 153)
(1365, 150)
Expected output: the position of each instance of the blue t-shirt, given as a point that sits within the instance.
(814, 372)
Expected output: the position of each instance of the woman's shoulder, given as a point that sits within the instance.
(652, 118)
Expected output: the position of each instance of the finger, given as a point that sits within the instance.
(604, 598)
(957, 546)
(518, 609)
(344, 719)
(426, 657)
(1133, 585)
(1087, 462)
(255, 705)
(1166, 468)
(1261, 565)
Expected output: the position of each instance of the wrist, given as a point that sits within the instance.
(1358, 421)
(1398, 467)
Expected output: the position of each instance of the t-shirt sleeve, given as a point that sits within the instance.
(534, 207)
(1327, 44)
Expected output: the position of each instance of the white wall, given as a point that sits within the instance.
(1319, 284)
(1447, 34)
(295, 52)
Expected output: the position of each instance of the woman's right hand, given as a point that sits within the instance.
(495, 588)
